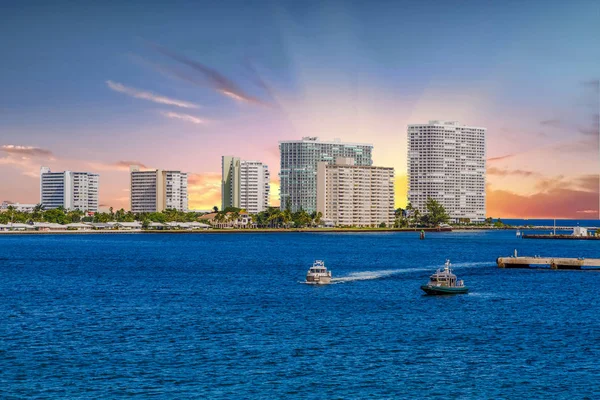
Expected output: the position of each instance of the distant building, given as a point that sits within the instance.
(446, 162)
(355, 195)
(71, 190)
(244, 184)
(158, 190)
(298, 173)
(17, 206)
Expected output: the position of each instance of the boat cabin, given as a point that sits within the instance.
(445, 278)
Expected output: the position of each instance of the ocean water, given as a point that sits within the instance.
(226, 317)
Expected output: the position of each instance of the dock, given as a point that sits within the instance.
(549, 262)
(564, 237)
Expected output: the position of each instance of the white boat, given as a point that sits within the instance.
(318, 274)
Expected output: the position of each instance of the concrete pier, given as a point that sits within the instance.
(548, 262)
(564, 237)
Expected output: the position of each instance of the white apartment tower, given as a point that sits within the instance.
(244, 184)
(158, 190)
(446, 161)
(71, 190)
(298, 173)
(353, 195)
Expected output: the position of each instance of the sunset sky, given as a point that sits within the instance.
(176, 86)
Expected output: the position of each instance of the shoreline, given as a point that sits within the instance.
(265, 231)
(223, 231)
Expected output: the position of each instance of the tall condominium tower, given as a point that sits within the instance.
(352, 195)
(446, 161)
(298, 171)
(158, 190)
(244, 184)
(71, 190)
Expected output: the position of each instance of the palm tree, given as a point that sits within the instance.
(11, 211)
(317, 218)
(38, 212)
(286, 217)
(235, 216)
(219, 218)
(274, 215)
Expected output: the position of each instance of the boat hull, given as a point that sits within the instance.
(441, 290)
(322, 280)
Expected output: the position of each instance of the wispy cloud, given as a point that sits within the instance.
(122, 165)
(126, 164)
(591, 212)
(26, 151)
(145, 95)
(593, 84)
(212, 77)
(25, 158)
(555, 123)
(501, 157)
(183, 117)
(510, 172)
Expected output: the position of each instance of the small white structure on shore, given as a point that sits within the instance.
(47, 226)
(580, 231)
(79, 226)
(20, 227)
(129, 225)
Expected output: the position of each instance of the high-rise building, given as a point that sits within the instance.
(71, 190)
(446, 162)
(353, 195)
(244, 184)
(158, 190)
(298, 173)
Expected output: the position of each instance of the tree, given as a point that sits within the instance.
(11, 210)
(436, 213)
(146, 224)
(317, 218)
(75, 215)
(414, 215)
(215, 209)
(382, 225)
(286, 217)
(38, 212)
(56, 215)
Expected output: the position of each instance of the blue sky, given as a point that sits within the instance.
(357, 70)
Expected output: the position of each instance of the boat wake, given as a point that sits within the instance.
(370, 275)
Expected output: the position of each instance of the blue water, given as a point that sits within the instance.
(224, 316)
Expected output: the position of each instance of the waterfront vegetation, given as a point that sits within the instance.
(272, 218)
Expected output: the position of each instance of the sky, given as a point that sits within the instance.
(96, 86)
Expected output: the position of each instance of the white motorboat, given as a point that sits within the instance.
(318, 274)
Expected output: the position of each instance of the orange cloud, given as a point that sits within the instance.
(204, 191)
(509, 172)
(557, 198)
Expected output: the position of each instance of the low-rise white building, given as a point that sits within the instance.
(17, 206)
(355, 195)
